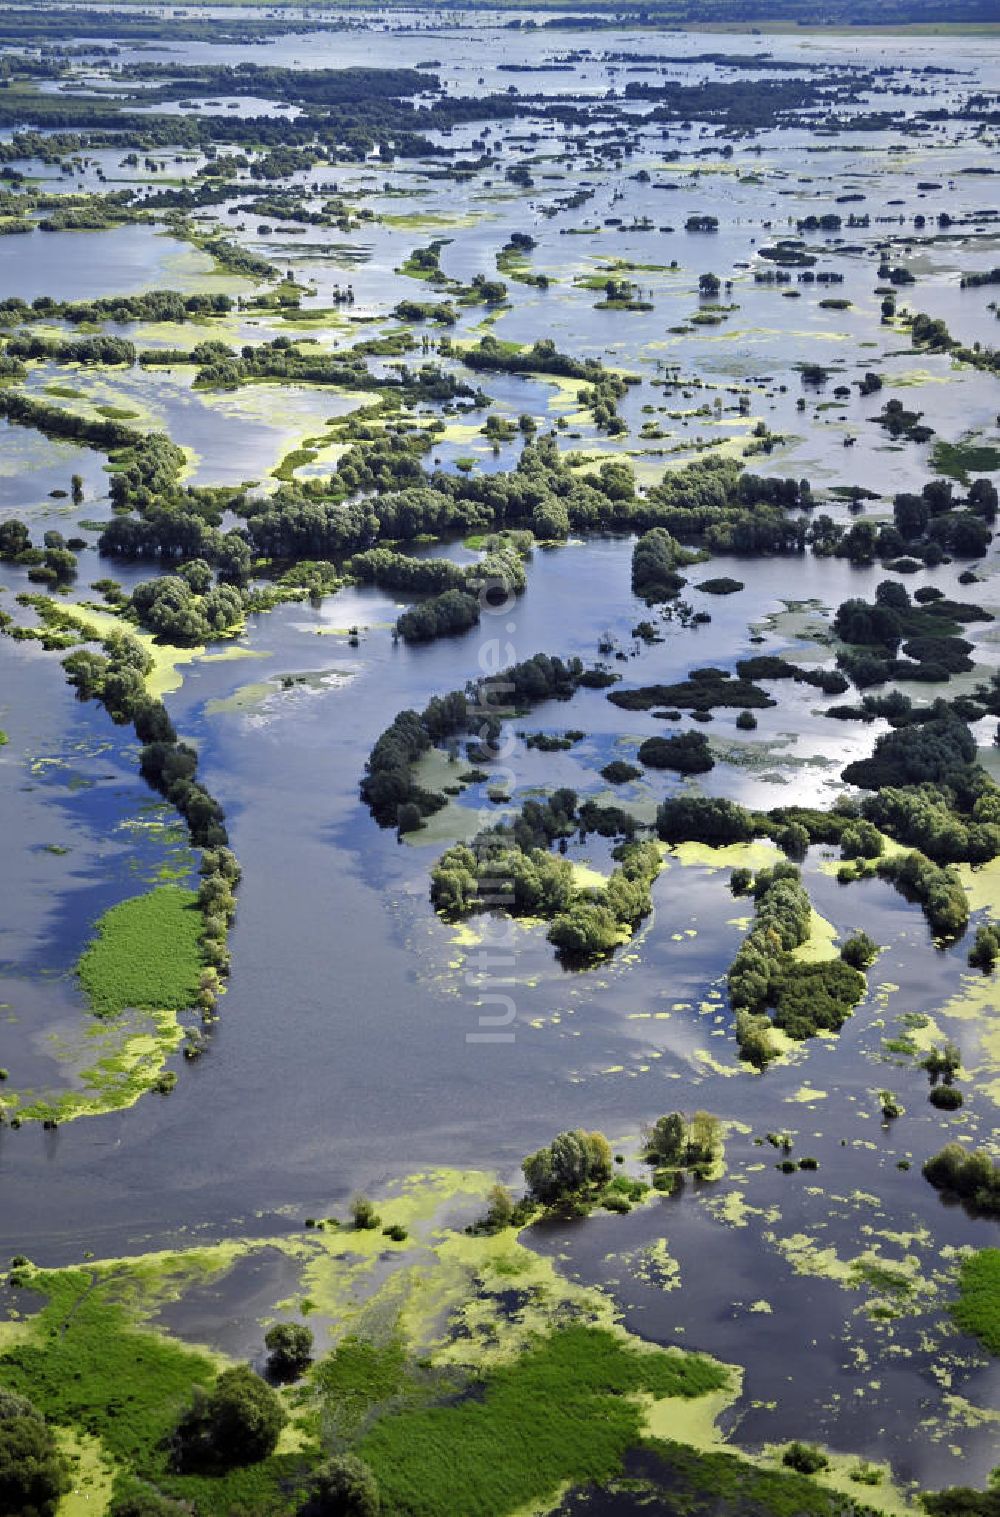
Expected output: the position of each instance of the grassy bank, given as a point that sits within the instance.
(565, 1406)
(145, 955)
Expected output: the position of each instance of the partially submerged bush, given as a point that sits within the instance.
(344, 1487)
(289, 1349)
(238, 1421)
(805, 1458)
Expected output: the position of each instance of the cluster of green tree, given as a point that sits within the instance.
(807, 997)
(11, 369)
(773, 666)
(703, 690)
(601, 400)
(52, 564)
(289, 1350)
(509, 867)
(715, 503)
(543, 357)
(496, 873)
(55, 563)
(502, 1211)
(550, 742)
(687, 753)
(943, 1064)
(52, 27)
(33, 1474)
(923, 815)
(656, 558)
(741, 104)
(499, 574)
(150, 305)
(187, 607)
(938, 751)
(574, 1165)
(424, 263)
(171, 769)
(676, 1142)
(929, 525)
(220, 872)
(116, 678)
(401, 571)
(54, 421)
(222, 368)
(948, 823)
(622, 295)
(539, 824)
(338, 517)
(95, 214)
(237, 259)
(704, 819)
(237, 1421)
(939, 517)
(899, 422)
(963, 1501)
(389, 784)
(145, 471)
(313, 87)
(353, 130)
(722, 584)
(512, 260)
(426, 310)
(974, 281)
(95, 350)
(606, 821)
(986, 949)
(933, 651)
(932, 335)
(171, 531)
(972, 1177)
(596, 919)
(937, 887)
(442, 615)
(895, 707)
(483, 291)
(620, 772)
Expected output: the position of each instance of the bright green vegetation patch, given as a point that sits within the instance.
(563, 1406)
(116, 413)
(720, 1483)
(85, 1367)
(960, 459)
(146, 954)
(977, 1310)
(482, 1422)
(360, 1378)
(296, 459)
(3, 737)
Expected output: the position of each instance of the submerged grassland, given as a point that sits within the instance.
(145, 954)
(977, 1309)
(462, 1367)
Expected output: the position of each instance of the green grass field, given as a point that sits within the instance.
(563, 1412)
(560, 1412)
(977, 1310)
(960, 459)
(145, 955)
(88, 1368)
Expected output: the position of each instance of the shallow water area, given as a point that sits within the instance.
(348, 1052)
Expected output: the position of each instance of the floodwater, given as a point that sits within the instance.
(345, 1054)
